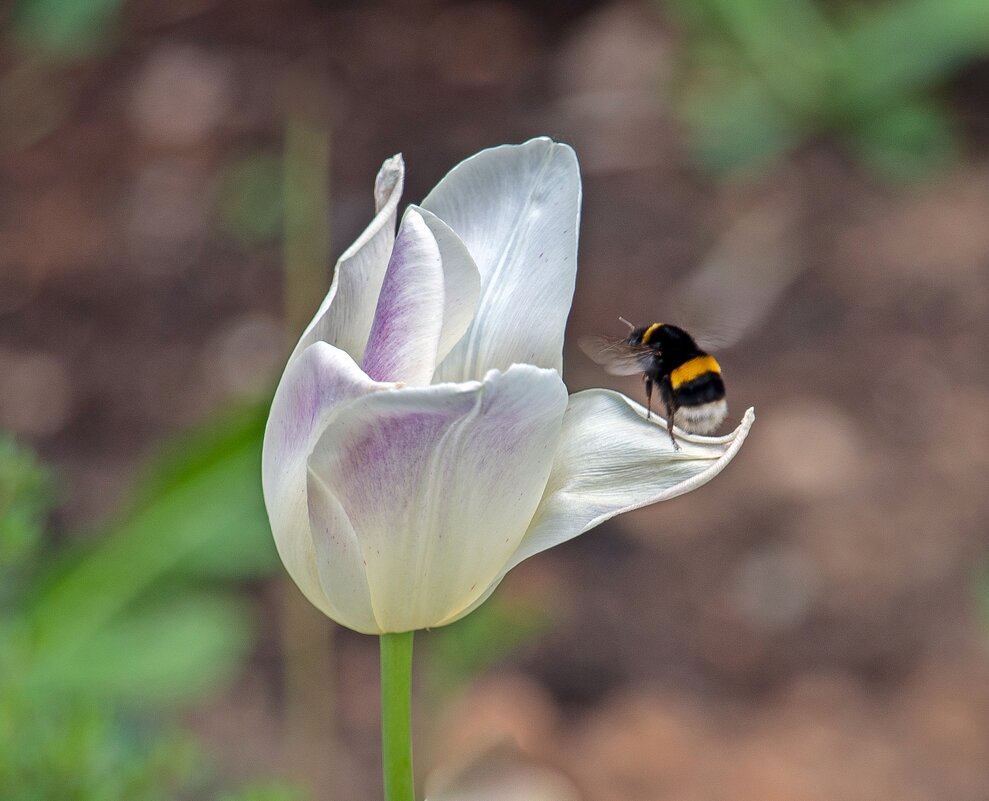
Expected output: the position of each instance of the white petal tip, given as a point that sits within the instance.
(741, 430)
(389, 183)
(393, 163)
(733, 439)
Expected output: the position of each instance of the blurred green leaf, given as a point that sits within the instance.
(65, 30)
(200, 515)
(267, 792)
(762, 76)
(220, 461)
(173, 649)
(737, 124)
(129, 621)
(898, 49)
(79, 750)
(908, 143)
(26, 495)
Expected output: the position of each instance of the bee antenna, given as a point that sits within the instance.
(630, 326)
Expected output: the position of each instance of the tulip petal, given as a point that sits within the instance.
(612, 459)
(344, 318)
(461, 283)
(339, 562)
(439, 484)
(317, 383)
(409, 319)
(517, 209)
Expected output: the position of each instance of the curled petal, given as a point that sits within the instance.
(612, 459)
(517, 209)
(409, 319)
(314, 386)
(438, 484)
(461, 282)
(344, 318)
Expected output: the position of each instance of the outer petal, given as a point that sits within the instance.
(407, 323)
(316, 384)
(517, 208)
(339, 562)
(344, 318)
(612, 460)
(439, 485)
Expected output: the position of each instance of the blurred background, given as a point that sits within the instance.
(175, 182)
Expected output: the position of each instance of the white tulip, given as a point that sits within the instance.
(421, 442)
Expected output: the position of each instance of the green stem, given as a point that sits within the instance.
(396, 716)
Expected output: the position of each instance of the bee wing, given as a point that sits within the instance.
(743, 277)
(615, 355)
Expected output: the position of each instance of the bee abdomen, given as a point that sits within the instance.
(703, 389)
(702, 419)
(698, 395)
(692, 369)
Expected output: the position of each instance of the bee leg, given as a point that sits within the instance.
(648, 381)
(670, 411)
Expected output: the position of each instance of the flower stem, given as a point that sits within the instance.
(396, 716)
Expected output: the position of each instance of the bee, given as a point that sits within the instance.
(731, 292)
(689, 379)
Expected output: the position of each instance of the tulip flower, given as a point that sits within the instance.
(421, 442)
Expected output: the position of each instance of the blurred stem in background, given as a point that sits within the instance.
(306, 639)
(306, 249)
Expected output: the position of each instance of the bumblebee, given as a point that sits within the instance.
(688, 378)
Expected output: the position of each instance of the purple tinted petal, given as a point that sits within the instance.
(314, 385)
(409, 316)
(440, 484)
(345, 315)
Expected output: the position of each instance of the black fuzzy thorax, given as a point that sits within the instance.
(671, 346)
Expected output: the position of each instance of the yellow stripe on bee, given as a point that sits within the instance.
(690, 370)
(647, 334)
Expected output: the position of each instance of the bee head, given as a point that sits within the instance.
(637, 335)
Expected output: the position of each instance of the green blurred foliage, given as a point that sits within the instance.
(26, 492)
(761, 77)
(266, 792)
(98, 641)
(150, 586)
(65, 30)
(74, 750)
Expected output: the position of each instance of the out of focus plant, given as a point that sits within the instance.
(251, 199)
(982, 593)
(762, 77)
(97, 640)
(64, 30)
(25, 499)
